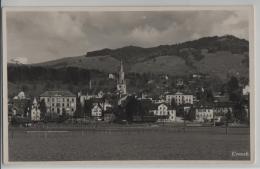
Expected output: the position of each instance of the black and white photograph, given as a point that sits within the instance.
(129, 84)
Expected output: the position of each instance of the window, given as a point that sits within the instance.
(68, 100)
(72, 109)
(52, 99)
(63, 105)
(72, 99)
(53, 104)
(63, 99)
(68, 104)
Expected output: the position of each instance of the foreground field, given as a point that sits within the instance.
(197, 143)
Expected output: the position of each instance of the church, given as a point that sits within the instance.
(121, 83)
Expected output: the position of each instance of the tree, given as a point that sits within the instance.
(232, 84)
(87, 108)
(228, 118)
(27, 110)
(132, 108)
(79, 108)
(191, 115)
(43, 109)
(209, 95)
(173, 103)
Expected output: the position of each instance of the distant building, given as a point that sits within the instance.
(163, 112)
(21, 95)
(196, 76)
(221, 98)
(179, 83)
(204, 113)
(221, 109)
(111, 76)
(35, 111)
(246, 90)
(180, 98)
(96, 111)
(121, 85)
(100, 94)
(99, 107)
(59, 102)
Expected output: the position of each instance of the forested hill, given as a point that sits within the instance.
(216, 55)
(219, 57)
(133, 54)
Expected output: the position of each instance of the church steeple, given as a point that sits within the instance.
(121, 86)
(121, 73)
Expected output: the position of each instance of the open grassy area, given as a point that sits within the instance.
(145, 143)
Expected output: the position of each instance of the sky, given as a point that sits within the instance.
(35, 37)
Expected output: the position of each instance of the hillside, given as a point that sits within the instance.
(211, 55)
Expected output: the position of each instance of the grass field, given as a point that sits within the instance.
(162, 143)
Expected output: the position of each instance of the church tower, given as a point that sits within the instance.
(121, 84)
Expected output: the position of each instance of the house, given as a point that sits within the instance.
(179, 83)
(180, 98)
(220, 109)
(163, 112)
(204, 113)
(96, 111)
(35, 111)
(59, 102)
(246, 90)
(111, 76)
(221, 98)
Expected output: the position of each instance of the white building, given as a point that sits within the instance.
(163, 113)
(59, 102)
(204, 113)
(180, 98)
(96, 111)
(35, 111)
(111, 76)
(246, 90)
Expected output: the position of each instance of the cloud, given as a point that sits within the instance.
(42, 36)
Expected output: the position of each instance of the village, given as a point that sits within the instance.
(119, 106)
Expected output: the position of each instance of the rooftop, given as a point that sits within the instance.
(63, 93)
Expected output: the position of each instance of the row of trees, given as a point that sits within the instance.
(22, 73)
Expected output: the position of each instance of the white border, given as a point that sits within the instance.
(165, 163)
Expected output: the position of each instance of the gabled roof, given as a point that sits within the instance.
(154, 106)
(63, 93)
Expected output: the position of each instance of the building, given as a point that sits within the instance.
(204, 113)
(246, 90)
(221, 98)
(163, 112)
(221, 109)
(179, 83)
(121, 84)
(111, 76)
(59, 102)
(180, 98)
(96, 111)
(35, 111)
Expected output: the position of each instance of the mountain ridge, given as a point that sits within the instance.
(216, 55)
